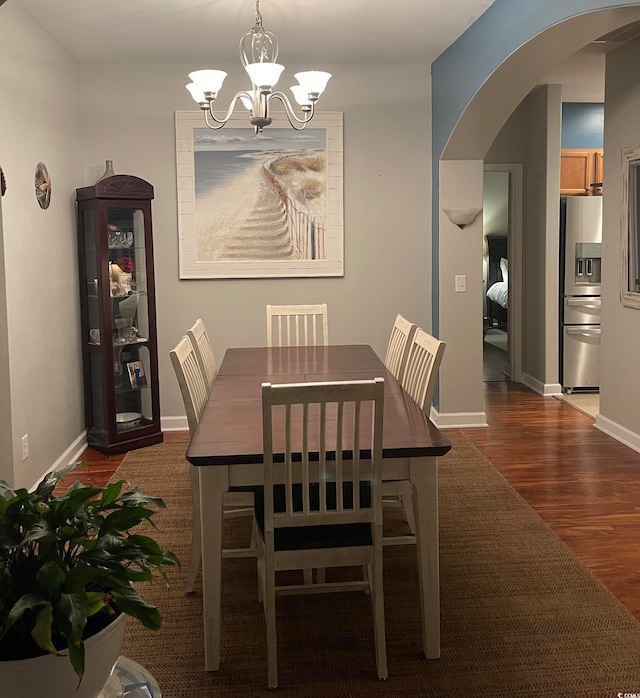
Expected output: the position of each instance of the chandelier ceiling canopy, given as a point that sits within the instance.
(258, 54)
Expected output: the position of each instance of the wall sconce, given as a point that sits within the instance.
(462, 216)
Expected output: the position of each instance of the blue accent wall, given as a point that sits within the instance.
(459, 72)
(582, 125)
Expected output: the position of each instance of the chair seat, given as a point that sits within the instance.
(316, 537)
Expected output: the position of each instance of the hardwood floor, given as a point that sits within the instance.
(583, 483)
(100, 467)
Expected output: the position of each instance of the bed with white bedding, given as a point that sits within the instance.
(497, 281)
(499, 293)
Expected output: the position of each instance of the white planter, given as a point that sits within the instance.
(52, 676)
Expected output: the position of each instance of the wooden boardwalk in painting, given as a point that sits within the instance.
(264, 234)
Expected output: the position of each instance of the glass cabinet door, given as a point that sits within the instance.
(129, 317)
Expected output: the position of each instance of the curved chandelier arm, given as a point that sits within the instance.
(208, 110)
(307, 109)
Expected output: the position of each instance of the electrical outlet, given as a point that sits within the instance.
(25, 447)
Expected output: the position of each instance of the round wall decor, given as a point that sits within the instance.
(43, 185)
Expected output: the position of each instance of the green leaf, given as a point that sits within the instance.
(130, 602)
(51, 576)
(76, 655)
(71, 615)
(28, 602)
(66, 556)
(76, 498)
(41, 532)
(145, 575)
(96, 601)
(9, 536)
(144, 544)
(50, 480)
(125, 518)
(111, 493)
(41, 632)
(135, 497)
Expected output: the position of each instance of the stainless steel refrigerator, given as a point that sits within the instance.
(580, 277)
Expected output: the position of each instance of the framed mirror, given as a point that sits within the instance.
(630, 227)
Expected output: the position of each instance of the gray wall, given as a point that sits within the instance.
(40, 122)
(495, 203)
(6, 438)
(128, 117)
(531, 137)
(620, 325)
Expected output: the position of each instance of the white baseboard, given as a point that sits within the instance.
(174, 423)
(457, 420)
(73, 453)
(70, 455)
(544, 389)
(619, 433)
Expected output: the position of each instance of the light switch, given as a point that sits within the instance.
(461, 283)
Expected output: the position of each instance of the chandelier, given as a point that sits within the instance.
(258, 53)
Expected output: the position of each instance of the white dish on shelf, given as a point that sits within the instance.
(128, 419)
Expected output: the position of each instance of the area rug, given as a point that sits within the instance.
(498, 338)
(521, 616)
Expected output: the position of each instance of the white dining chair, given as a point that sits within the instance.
(421, 370)
(199, 337)
(195, 394)
(297, 325)
(395, 360)
(322, 506)
(419, 378)
(398, 348)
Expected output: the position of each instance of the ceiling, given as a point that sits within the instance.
(207, 32)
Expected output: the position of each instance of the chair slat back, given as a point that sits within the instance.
(398, 347)
(204, 351)
(421, 371)
(191, 381)
(328, 444)
(297, 325)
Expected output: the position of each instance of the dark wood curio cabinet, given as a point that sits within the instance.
(117, 296)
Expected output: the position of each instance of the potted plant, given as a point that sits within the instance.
(67, 567)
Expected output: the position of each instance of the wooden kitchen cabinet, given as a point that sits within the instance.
(580, 168)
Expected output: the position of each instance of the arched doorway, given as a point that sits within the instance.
(463, 132)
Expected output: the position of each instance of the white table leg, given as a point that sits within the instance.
(424, 478)
(214, 482)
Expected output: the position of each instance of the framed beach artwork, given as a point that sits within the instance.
(259, 205)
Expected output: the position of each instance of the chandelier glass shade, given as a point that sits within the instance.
(258, 54)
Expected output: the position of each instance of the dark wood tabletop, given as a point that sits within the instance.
(230, 429)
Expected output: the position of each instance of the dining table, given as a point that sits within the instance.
(227, 449)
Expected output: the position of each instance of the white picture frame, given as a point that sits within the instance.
(221, 235)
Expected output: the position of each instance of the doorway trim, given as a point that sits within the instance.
(514, 238)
